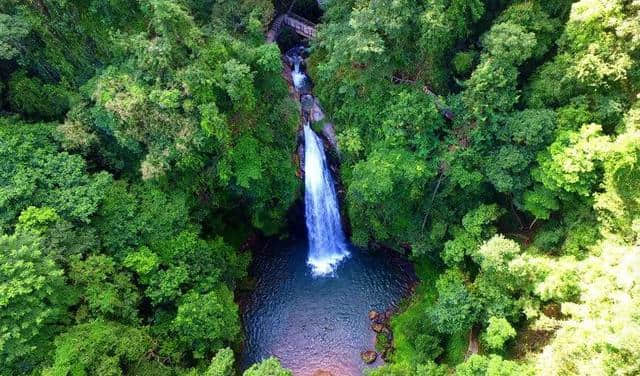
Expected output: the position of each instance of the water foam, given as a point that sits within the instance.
(327, 244)
(298, 76)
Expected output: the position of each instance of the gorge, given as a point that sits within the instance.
(310, 304)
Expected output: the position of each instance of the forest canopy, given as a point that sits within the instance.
(528, 197)
(146, 144)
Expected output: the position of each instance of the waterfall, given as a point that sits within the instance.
(327, 245)
(297, 75)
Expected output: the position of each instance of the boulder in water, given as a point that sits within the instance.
(307, 100)
(378, 328)
(369, 356)
(373, 315)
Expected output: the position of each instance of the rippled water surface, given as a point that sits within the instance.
(318, 323)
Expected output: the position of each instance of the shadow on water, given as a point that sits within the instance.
(318, 323)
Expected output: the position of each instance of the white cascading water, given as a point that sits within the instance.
(327, 245)
(297, 75)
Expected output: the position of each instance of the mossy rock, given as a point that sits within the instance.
(369, 356)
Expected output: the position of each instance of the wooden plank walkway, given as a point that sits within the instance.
(301, 26)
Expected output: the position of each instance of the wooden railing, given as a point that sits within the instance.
(301, 26)
(276, 26)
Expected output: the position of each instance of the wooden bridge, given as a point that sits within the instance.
(301, 26)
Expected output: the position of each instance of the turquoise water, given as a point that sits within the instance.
(318, 323)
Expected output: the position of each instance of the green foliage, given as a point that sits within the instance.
(205, 322)
(495, 286)
(36, 220)
(100, 348)
(183, 95)
(493, 365)
(13, 31)
(385, 174)
(395, 369)
(534, 19)
(183, 263)
(221, 364)
(183, 103)
(130, 216)
(107, 293)
(404, 369)
(463, 62)
(476, 226)
(617, 207)
(382, 341)
(455, 350)
(540, 202)
(498, 332)
(36, 99)
(453, 311)
(268, 367)
(563, 168)
(32, 294)
(596, 336)
(34, 173)
(186, 279)
(410, 328)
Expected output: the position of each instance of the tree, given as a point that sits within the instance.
(562, 168)
(13, 32)
(106, 292)
(498, 333)
(476, 226)
(100, 348)
(395, 369)
(32, 302)
(533, 18)
(37, 220)
(454, 311)
(204, 323)
(134, 215)
(540, 202)
(598, 333)
(268, 367)
(221, 364)
(33, 173)
(493, 365)
(183, 263)
(387, 173)
(618, 206)
(497, 285)
(492, 87)
(35, 98)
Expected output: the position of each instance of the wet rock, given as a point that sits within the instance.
(329, 134)
(307, 101)
(378, 328)
(373, 315)
(317, 114)
(369, 356)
